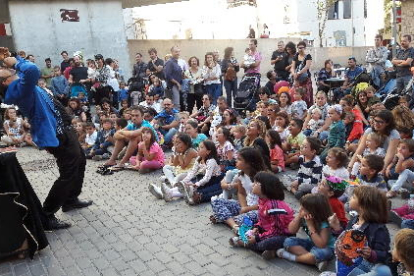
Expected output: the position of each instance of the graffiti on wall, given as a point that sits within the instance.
(69, 15)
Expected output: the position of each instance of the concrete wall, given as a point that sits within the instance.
(198, 48)
(38, 29)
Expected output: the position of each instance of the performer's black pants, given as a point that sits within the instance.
(71, 162)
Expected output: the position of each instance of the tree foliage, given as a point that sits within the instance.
(323, 7)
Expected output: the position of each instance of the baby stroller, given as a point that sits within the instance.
(246, 96)
(391, 99)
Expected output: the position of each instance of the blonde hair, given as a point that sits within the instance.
(184, 114)
(240, 128)
(379, 138)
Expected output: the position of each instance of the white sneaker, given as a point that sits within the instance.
(166, 192)
(163, 179)
(156, 191)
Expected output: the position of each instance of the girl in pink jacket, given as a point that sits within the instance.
(274, 216)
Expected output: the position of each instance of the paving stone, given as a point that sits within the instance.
(127, 232)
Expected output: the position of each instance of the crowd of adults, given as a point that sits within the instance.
(230, 158)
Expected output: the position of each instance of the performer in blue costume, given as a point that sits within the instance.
(51, 130)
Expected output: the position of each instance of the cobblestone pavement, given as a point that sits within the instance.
(128, 232)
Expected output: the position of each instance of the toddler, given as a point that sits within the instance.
(336, 137)
(239, 133)
(282, 125)
(90, 137)
(299, 107)
(373, 146)
(369, 172)
(184, 116)
(248, 58)
(315, 122)
(104, 140)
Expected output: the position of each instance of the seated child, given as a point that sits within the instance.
(239, 133)
(184, 116)
(191, 128)
(225, 149)
(310, 170)
(371, 207)
(271, 230)
(402, 167)
(315, 122)
(277, 160)
(150, 155)
(336, 136)
(282, 125)
(104, 140)
(80, 130)
(373, 146)
(318, 248)
(90, 137)
(333, 188)
(369, 172)
(372, 99)
(299, 107)
(124, 106)
(202, 182)
(180, 163)
(403, 252)
(294, 142)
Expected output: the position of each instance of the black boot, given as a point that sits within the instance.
(75, 204)
(53, 223)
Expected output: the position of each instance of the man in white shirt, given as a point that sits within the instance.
(149, 102)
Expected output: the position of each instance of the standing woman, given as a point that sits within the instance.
(291, 50)
(103, 90)
(194, 74)
(211, 74)
(229, 68)
(300, 71)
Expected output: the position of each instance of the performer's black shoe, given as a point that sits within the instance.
(76, 204)
(53, 223)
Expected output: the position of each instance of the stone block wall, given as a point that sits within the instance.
(407, 15)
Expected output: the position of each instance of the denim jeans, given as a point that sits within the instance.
(407, 223)
(175, 96)
(368, 269)
(320, 254)
(406, 176)
(212, 188)
(231, 89)
(214, 90)
(168, 135)
(402, 83)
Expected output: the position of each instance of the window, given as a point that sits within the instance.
(333, 11)
(347, 9)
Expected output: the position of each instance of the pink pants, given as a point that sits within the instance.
(152, 165)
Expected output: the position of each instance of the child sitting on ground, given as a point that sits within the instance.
(271, 229)
(299, 107)
(336, 136)
(277, 159)
(310, 170)
(373, 146)
(315, 122)
(150, 155)
(179, 165)
(402, 167)
(371, 207)
(369, 172)
(372, 99)
(294, 142)
(239, 133)
(403, 252)
(333, 188)
(225, 150)
(184, 116)
(90, 137)
(317, 248)
(282, 125)
(104, 140)
(203, 181)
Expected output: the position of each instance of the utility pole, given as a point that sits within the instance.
(394, 28)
